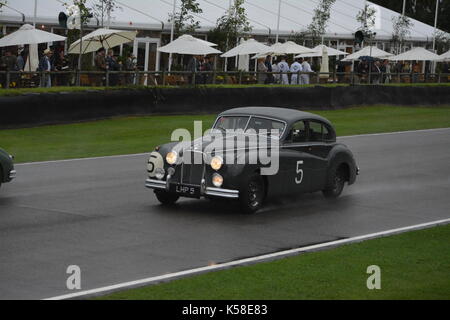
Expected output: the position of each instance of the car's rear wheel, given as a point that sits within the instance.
(165, 197)
(251, 195)
(337, 182)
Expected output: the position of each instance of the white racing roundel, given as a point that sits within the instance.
(154, 162)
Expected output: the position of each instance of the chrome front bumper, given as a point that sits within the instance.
(208, 191)
(12, 174)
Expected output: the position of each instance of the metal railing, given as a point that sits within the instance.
(16, 79)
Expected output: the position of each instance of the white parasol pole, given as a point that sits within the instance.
(172, 30)
(278, 21)
(35, 13)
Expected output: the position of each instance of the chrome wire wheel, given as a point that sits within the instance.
(252, 193)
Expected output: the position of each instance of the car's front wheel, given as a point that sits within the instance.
(337, 182)
(252, 193)
(165, 197)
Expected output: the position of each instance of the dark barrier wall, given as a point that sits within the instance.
(51, 108)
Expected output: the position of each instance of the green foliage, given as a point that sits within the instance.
(229, 27)
(366, 17)
(400, 26)
(101, 9)
(132, 135)
(319, 21)
(442, 42)
(2, 3)
(184, 21)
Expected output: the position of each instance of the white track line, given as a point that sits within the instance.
(144, 153)
(265, 257)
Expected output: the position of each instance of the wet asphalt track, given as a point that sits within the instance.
(97, 214)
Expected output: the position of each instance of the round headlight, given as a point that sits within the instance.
(171, 157)
(159, 173)
(217, 180)
(216, 163)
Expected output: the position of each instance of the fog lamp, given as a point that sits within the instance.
(217, 180)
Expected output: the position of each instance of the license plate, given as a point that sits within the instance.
(185, 190)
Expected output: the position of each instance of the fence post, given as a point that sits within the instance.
(240, 76)
(8, 76)
(193, 78)
(214, 76)
(439, 77)
(318, 77)
(107, 77)
(163, 77)
(352, 78)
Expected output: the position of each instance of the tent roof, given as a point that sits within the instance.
(418, 53)
(295, 16)
(367, 51)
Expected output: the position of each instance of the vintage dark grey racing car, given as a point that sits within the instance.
(309, 159)
(7, 172)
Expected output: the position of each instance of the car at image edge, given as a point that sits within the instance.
(7, 172)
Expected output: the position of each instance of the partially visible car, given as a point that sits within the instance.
(7, 172)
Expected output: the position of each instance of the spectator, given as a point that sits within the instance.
(100, 65)
(8, 63)
(262, 69)
(62, 64)
(22, 60)
(376, 72)
(296, 67)
(193, 66)
(112, 65)
(45, 65)
(306, 68)
(284, 68)
(275, 69)
(268, 64)
(207, 66)
(130, 65)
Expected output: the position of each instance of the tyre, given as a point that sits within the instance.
(251, 195)
(165, 197)
(336, 183)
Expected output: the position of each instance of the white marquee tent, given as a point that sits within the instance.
(295, 16)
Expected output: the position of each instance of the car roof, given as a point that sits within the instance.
(287, 115)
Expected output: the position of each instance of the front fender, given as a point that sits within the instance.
(341, 154)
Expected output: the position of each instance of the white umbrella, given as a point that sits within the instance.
(27, 34)
(102, 38)
(288, 47)
(324, 67)
(318, 52)
(250, 46)
(187, 44)
(445, 56)
(368, 51)
(418, 53)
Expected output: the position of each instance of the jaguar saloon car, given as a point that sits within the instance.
(302, 146)
(7, 172)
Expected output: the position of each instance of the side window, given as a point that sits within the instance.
(315, 131)
(327, 134)
(297, 133)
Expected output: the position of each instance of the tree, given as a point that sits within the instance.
(2, 3)
(366, 18)
(442, 41)
(422, 10)
(184, 21)
(400, 26)
(102, 10)
(317, 27)
(229, 27)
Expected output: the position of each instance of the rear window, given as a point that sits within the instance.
(319, 132)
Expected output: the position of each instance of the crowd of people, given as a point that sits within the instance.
(275, 70)
(270, 70)
(54, 60)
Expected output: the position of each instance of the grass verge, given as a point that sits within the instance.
(21, 91)
(413, 265)
(142, 134)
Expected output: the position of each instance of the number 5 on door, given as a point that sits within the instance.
(299, 172)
